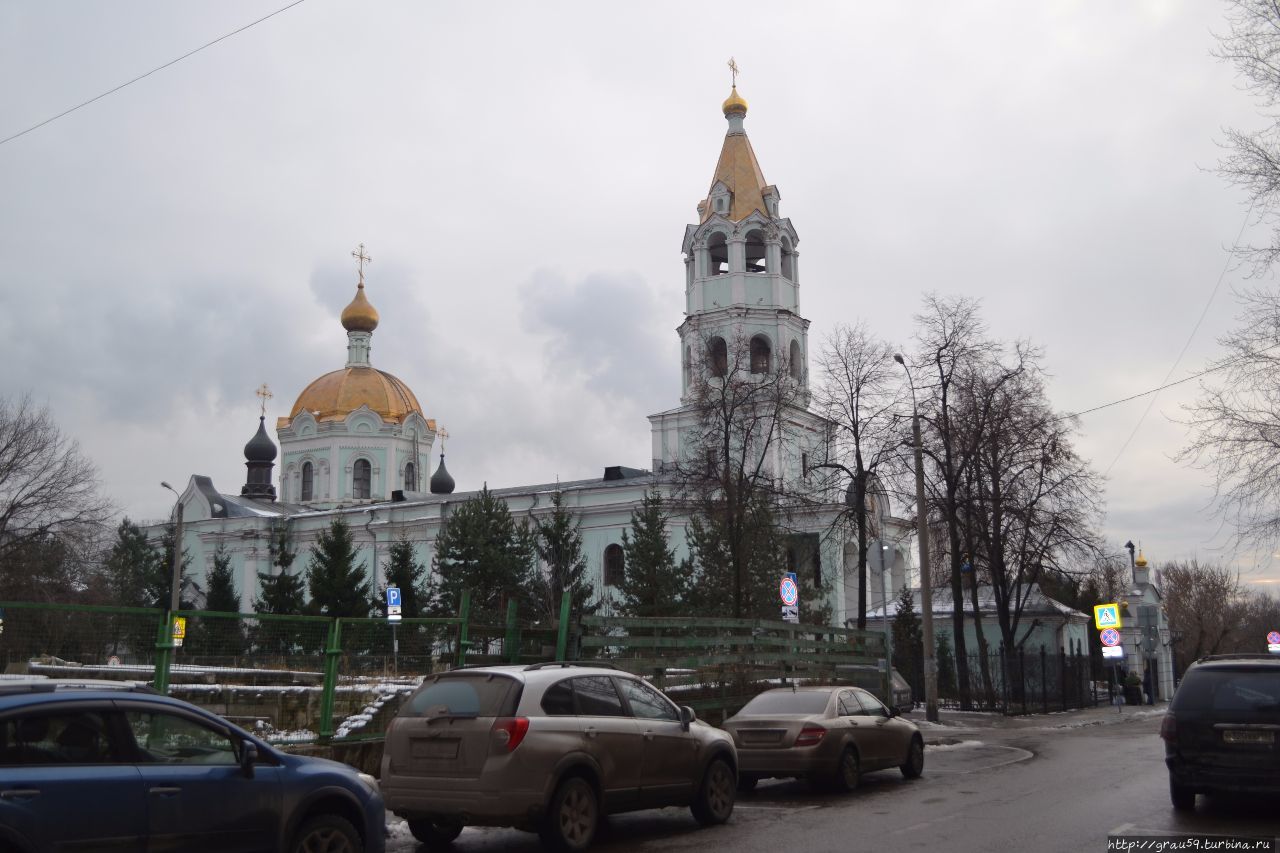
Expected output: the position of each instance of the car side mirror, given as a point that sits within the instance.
(687, 716)
(893, 711)
(248, 757)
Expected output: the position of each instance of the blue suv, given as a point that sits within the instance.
(107, 766)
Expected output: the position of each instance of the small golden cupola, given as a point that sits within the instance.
(360, 315)
(1141, 562)
(735, 104)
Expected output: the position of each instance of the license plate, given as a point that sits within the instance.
(1247, 736)
(436, 748)
(760, 735)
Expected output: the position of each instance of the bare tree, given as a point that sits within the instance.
(1235, 422)
(861, 394)
(1204, 605)
(48, 488)
(1252, 45)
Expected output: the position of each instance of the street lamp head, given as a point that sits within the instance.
(898, 358)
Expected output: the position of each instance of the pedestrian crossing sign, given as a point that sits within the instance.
(1106, 616)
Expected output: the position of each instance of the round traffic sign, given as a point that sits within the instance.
(789, 591)
(1273, 637)
(1110, 637)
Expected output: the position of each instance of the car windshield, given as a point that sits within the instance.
(788, 702)
(1237, 690)
(481, 694)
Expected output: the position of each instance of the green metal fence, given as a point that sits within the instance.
(316, 678)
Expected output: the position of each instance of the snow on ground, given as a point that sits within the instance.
(964, 744)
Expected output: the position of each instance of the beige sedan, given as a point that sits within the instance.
(830, 735)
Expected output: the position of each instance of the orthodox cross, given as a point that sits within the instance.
(442, 434)
(361, 259)
(733, 69)
(265, 394)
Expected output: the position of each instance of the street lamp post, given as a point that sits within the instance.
(174, 599)
(922, 536)
(888, 645)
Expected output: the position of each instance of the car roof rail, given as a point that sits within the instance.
(598, 664)
(1241, 656)
(11, 686)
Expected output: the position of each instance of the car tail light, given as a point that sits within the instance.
(810, 735)
(1169, 728)
(509, 731)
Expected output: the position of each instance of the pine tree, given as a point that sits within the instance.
(558, 545)
(132, 570)
(221, 636)
(403, 571)
(480, 548)
(338, 585)
(908, 638)
(160, 585)
(713, 534)
(653, 584)
(281, 593)
(946, 666)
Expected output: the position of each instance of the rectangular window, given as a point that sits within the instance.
(361, 479)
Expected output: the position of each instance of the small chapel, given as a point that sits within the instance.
(357, 444)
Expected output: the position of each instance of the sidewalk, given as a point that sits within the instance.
(950, 723)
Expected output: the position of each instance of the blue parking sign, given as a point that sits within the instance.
(393, 596)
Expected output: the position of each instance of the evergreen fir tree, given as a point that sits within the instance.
(160, 585)
(712, 534)
(908, 638)
(281, 593)
(133, 569)
(946, 666)
(653, 584)
(402, 570)
(480, 548)
(558, 546)
(338, 585)
(220, 636)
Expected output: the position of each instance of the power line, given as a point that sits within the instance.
(149, 73)
(1221, 366)
(1222, 275)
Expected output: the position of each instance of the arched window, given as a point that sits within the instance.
(718, 253)
(410, 478)
(361, 479)
(308, 482)
(761, 353)
(688, 366)
(757, 254)
(717, 357)
(796, 360)
(615, 570)
(788, 261)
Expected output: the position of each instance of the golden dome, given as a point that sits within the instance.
(335, 395)
(1141, 562)
(360, 316)
(734, 103)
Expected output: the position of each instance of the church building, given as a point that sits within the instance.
(357, 445)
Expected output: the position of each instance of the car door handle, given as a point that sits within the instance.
(590, 730)
(165, 792)
(20, 794)
(648, 734)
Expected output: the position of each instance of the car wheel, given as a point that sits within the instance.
(914, 765)
(1183, 798)
(714, 802)
(434, 834)
(573, 816)
(747, 782)
(327, 834)
(847, 771)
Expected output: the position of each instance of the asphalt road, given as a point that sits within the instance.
(1037, 785)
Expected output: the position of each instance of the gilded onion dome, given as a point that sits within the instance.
(340, 392)
(360, 315)
(735, 103)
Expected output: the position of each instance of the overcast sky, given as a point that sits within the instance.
(522, 174)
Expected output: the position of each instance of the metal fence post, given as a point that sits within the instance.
(1022, 676)
(333, 650)
(562, 635)
(511, 645)
(1044, 681)
(164, 652)
(464, 613)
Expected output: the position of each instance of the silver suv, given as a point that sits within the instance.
(549, 748)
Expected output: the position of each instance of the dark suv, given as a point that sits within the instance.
(1222, 730)
(549, 748)
(112, 766)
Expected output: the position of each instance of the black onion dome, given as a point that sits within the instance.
(260, 448)
(441, 482)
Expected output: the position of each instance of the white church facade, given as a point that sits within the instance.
(357, 445)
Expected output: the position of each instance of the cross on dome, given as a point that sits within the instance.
(361, 260)
(264, 393)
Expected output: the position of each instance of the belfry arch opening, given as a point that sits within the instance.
(717, 357)
(757, 252)
(761, 354)
(795, 361)
(717, 254)
(788, 260)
